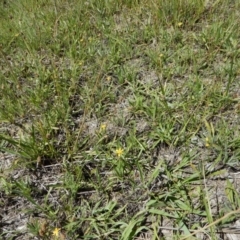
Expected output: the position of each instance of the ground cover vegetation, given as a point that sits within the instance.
(119, 119)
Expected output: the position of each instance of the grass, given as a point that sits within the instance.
(119, 119)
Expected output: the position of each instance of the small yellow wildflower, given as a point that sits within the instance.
(56, 232)
(108, 78)
(179, 24)
(103, 127)
(160, 55)
(207, 144)
(119, 152)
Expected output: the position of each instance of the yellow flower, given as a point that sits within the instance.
(103, 127)
(207, 143)
(179, 24)
(56, 232)
(119, 152)
(108, 78)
